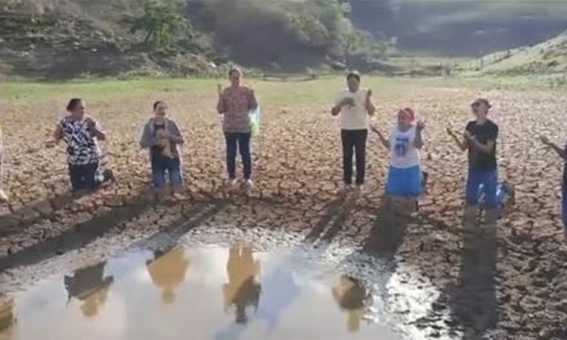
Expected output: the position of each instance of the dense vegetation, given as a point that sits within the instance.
(179, 36)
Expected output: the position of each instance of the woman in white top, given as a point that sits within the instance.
(354, 106)
(404, 175)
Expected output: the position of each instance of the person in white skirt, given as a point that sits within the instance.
(405, 178)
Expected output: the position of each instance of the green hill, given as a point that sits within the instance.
(70, 38)
(549, 57)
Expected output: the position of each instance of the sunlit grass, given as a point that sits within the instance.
(319, 92)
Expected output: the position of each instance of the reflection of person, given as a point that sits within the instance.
(81, 133)
(168, 272)
(90, 286)
(479, 139)
(7, 317)
(3, 196)
(162, 136)
(242, 289)
(563, 154)
(350, 295)
(235, 103)
(354, 106)
(404, 175)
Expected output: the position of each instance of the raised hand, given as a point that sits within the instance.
(420, 125)
(90, 124)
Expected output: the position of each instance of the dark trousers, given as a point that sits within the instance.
(83, 176)
(354, 143)
(240, 141)
(163, 165)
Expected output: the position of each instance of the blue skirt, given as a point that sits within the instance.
(404, 182)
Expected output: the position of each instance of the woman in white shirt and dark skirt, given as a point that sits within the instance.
(405, 178)
(354, 106)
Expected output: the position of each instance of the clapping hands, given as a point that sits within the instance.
(91, 124)
(420, 126)
(468, 136)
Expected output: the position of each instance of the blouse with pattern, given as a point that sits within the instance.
(82, 147)
(235, 104)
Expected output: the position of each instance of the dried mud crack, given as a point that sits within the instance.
(507, 283)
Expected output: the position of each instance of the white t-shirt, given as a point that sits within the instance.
(403, 153)
(353, 117)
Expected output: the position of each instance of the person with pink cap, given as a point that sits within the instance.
(404, 175)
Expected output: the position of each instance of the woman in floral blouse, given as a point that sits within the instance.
(235, 103)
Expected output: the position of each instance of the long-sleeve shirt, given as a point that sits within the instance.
(235, 104)
(151, 140)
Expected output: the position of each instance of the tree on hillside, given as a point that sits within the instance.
(160, 22)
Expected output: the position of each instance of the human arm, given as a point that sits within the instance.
(96, 129)
(221, 106)
(340, 104)
(461, 143)
(147, 139)
(56, 136)
(383, 140)
(418, 142)
(482, 147)
(561, 152)
(486, 147)
(370, 108)
(252, 102)
(175, 135)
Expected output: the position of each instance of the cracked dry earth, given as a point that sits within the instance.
(437, 280)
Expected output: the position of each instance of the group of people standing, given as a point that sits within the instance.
(353, 106)
(405, 177)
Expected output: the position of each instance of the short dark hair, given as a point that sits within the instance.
(73, 103)
(353, 74)
(157, 103)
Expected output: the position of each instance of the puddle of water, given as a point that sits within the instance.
(196, 293)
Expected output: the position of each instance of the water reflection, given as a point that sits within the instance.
(90, 286)
(287, 298)
(168, 272)
(7, 317)
(242, 289)
(351, 295)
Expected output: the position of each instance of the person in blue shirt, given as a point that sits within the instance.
(563, 154)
